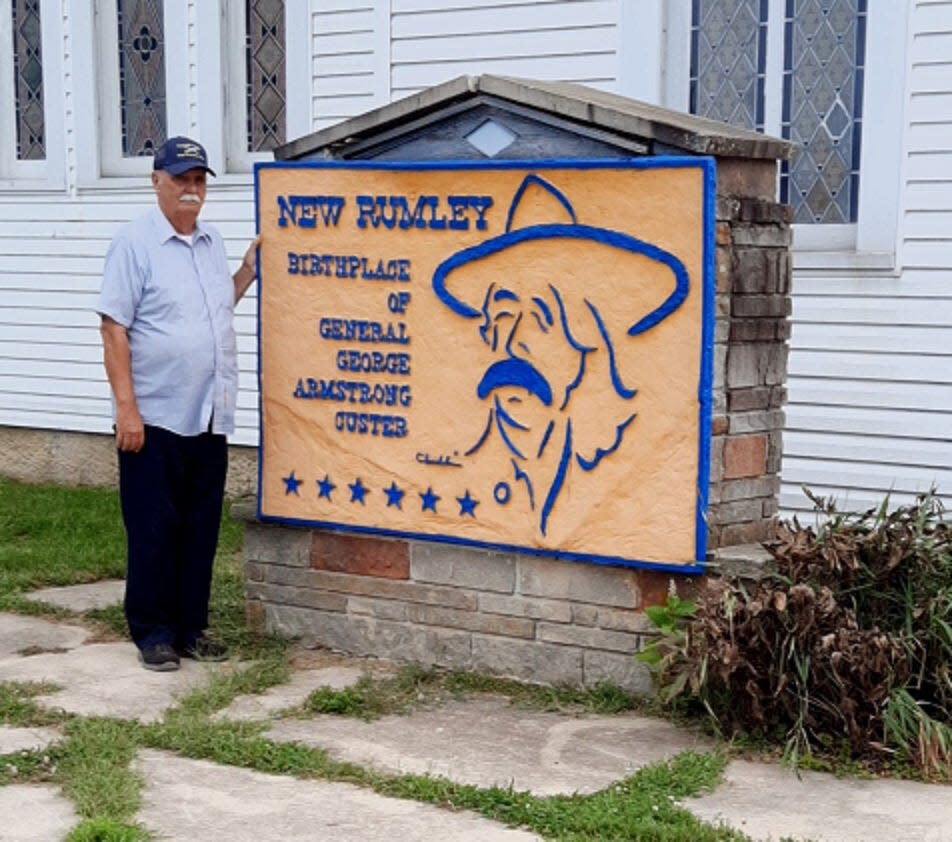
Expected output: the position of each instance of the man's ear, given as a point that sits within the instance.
(155, 178)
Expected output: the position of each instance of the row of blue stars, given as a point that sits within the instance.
(395, 494)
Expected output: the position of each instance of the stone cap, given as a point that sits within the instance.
(662, 129)
(746, 561)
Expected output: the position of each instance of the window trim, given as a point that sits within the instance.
(237, 159)
(30, 174)
(106, 37)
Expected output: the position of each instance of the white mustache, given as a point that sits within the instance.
(192, 199)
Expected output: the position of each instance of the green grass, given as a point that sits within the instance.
(17, 707)
(107, 830)
(51, 535)
(94, 767)
(413, 687)
(60, 536)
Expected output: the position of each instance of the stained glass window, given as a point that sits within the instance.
(141, 76)
(728, 60)
(28, 80)
(265, 61)
(823, 107)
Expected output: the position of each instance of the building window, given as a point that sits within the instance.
(28, 80)
(255, 54)
(729, 61)
(823, 48)
(141, 44)
(265, 63)
(825, 44)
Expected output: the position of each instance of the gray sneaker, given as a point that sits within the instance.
(160, 658)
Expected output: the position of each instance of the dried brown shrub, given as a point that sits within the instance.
(789, 661)
(848, 643)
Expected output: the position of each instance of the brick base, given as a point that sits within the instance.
(531, 618)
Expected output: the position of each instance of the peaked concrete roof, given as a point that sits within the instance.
(662, 129)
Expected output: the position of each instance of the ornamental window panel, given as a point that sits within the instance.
(142, 95)
(810, 91)
(824, 57)
(729, 60)
(265, 63)
(28, 80)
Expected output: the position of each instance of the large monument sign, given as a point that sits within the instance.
(513, 356)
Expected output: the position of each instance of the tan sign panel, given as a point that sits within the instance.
(514, 357)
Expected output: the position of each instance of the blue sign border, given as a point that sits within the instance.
(705, 382)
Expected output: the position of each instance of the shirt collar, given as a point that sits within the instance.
(167, 232)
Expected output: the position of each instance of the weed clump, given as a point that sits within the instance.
(846, 647)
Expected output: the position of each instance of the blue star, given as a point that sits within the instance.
(291, 484)
(429, 500)
(325, 487)
(394, 495)
(357, 491)
(467, 505)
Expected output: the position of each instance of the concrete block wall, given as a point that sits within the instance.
(70, 458)
(532, 618)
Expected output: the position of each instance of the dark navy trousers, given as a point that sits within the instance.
(171, 495)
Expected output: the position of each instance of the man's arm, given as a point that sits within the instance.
(130, 431)
(245, 275)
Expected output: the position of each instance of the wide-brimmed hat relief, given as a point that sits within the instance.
(553, 227)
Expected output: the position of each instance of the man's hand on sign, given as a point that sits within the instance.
(245, 275)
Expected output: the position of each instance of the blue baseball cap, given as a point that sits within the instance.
(180, 154)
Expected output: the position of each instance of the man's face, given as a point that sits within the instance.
(528, 333)
(180, 197)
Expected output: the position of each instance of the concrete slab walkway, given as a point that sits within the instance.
(25, 739)
(106, 679)
(215, 802)
(767, 801)
(482, 740)
(487, 742)
(34, 813)
(19, 634)
(82, 597)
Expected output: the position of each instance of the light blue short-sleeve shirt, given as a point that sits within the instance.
(176, 301)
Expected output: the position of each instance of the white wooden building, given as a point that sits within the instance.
(85, 85)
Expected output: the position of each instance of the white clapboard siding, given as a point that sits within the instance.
(51, 373)
(884, 449)
(910, 368)
(867, 421)
(794, 503)
(525, 17)
(344, 60)
(80, 347)
(883, 338)
(870, 387)
(888, 394)
(565, 40)
(869, 476)
(584, 68)
(930, 106)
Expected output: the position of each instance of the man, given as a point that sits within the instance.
(167, 308)
(555, 393)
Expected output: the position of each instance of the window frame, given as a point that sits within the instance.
(297, 39)
(31, 174)
(873, 239)
(106, 36)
